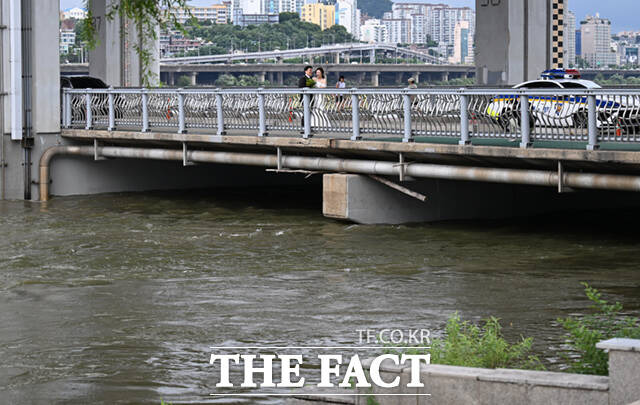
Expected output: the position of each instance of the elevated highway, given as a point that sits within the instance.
(336, 50)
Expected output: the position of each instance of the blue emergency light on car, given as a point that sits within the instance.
(555, 74)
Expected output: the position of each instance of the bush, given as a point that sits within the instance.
(606, 322)
(469, 345)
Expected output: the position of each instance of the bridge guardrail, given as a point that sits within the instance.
(524, 116)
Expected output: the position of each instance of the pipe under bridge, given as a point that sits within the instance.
(337, 49)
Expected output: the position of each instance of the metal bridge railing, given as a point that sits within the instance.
(527, 116)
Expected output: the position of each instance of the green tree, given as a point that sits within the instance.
(284, 17)
(183, 81)
(226, 80)
(375, 8)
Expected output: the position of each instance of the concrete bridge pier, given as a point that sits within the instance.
(193, 77)
(171, 79)
(399, 77)
(336, 58)
(115, 58)
(280, 79)
(262, 76)
(444, 77)
(361, 199)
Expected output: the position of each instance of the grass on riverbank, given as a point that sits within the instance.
(606, 322)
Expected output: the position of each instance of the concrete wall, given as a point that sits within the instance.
(476, 386)
(115, 59)
(512, 40)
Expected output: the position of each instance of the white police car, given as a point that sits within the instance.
(619, 113)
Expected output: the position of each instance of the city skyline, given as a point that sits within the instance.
(617, 11)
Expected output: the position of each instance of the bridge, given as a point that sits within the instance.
(368, 74)
(398, 145)
(336, 50)
(281, 74)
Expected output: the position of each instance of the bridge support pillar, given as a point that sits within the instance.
(375, 79)
(372, 56)
(445, 76)
(281, 78)
(194, 78)
(416, 76)
(115, 59)
(399, 78)
(272, 77)
(336, 58)
(262, 77)
(171, 78)
(361, 199)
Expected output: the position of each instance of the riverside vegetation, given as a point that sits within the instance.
(468, 345)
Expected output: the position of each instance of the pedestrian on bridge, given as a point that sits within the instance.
(308, 82)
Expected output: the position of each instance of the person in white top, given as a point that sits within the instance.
(340, 98)
(319, 116)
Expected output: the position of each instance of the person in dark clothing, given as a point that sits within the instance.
(306, 81)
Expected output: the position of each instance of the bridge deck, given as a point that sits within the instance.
(489, 152)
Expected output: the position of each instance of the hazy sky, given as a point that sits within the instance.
(622, 13)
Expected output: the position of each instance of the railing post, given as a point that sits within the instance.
(145, 111)
(89, 118)
(181, 121)
(262, 116)
(112, 113)
(593, 123)
(408, 133)
(464, 120)
(355, 116)
(67, 109)
(524, 122)
(220, 114)
(307, 115)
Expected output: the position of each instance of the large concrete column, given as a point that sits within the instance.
(445, 76)
(399, 77)
(39, 56)
(193, 76)
(372, 56)
(262, 77)
(337, 58)
(281, 78)
(115, 59)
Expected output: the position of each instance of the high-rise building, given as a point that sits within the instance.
(217, 13)
(463, 44)
(432, 21)
(319, 14)
(398, 30)
(596, 42)
(348, 15)
(570, 39)
(373, 31)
